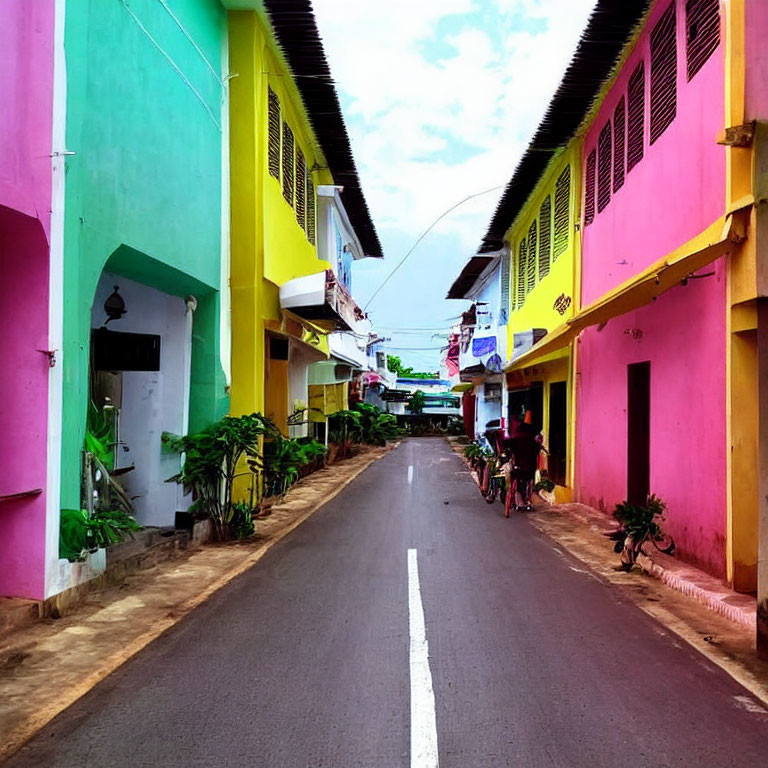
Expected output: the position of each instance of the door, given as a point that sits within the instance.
(558, 425)
(638, 432)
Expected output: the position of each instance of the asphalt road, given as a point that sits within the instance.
(304, 661)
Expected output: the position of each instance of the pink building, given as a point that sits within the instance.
(26, 120)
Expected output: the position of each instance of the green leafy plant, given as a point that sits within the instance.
(395, 364)
(80, 534)
(417, 402)
(240, 520)
(376, 426)
(284, 460)
(639, 525)
(100, 439)
(213, 459)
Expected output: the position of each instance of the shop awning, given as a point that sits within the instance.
(720, 239)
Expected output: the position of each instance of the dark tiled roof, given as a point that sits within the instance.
(297, 35)
(472, 270)
(609, 29)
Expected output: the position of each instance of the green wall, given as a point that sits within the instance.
(143, 189)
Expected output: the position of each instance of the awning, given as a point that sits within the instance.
(720, 239)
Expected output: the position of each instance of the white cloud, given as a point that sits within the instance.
(410, 113)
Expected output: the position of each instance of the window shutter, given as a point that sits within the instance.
(301, 189)
(310, 209)
(589, 189)
(273, 134)
(531, 257)
(619, 126)
(702, 32)
(636, 116)
(604, 167)
(522, 269)
(562, 208)
(288, 161)
(545, 236)
(663, 73)
(505, 259)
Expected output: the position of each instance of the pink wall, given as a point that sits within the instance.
(677, 189)
(756, 34)
(26, 93)
(683, 336)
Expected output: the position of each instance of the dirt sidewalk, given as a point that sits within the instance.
(46, 667)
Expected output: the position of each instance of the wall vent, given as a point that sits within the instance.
(663, 73)
(619, 137)
(562, 209)
(589, 189)
(636, 116)
(604, 167)
(702, 32)
(273, 147)
(545, 236)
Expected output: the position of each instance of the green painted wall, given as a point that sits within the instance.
(143, 190)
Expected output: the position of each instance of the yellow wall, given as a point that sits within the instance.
(268, 245)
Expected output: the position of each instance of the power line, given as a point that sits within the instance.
(424, 234)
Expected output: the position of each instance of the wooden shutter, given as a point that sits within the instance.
(301, 189)
(663, 73)
(604, 167)
(619, 137)
(545, 236)
(562, 209)
(531, 257)
(589, 189)
(702, 32)
(522, 269)
(273, 134)
(636, 116)
(505, 259)
(310, 209)
(288, 163)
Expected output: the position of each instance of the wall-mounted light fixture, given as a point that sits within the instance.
(114, 306)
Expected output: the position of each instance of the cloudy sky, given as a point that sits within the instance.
(440, 99)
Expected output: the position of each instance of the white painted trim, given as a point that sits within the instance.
(225, 297)
(423, 720)
(56, 301)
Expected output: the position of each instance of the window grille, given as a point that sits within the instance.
(589, 189)
(702, 32)
(301, 189)
(522, 268)
(604, 167)
(531, 257)
(310, 209)
(505, 259)
(545, 236)
(288, 161)
(562, 210)
(663, 73)
(636, 116)
(273, 134)
(619, 126)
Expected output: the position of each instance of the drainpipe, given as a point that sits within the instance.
(191, 304)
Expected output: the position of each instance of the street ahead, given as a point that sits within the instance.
(312, 658)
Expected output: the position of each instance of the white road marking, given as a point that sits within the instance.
(750, 705)
(410, 474)
(423, 721)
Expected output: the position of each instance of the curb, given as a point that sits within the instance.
(686, 579)
(65, 699)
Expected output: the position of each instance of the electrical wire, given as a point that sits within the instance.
(424, 234)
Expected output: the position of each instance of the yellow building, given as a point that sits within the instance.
(541, 242)
(287, 138)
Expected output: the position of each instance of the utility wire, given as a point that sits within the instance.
(424, 234)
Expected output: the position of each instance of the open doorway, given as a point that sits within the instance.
(558, 431)
(638, 432)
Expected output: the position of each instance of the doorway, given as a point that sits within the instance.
(558, 426)
(638, 432)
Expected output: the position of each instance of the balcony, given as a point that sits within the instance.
(321, 299)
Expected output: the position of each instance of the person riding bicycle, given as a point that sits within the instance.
(524, 449)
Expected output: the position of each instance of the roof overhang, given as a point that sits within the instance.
(469, 275)
(722, 238)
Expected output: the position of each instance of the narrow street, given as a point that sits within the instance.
(304, 660)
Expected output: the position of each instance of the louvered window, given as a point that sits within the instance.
(531, 257)
(562, 209)
(310, 209)
(505, 258)
(589, 189)
(522, 268)
(702, 32)
(604, 167)
(619, 125)
(545, 236)
(288, 161)
(301, 189)
(273, 147)
(636, 116)
(663, 73)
